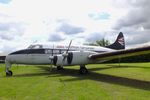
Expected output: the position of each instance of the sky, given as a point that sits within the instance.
(25, 22)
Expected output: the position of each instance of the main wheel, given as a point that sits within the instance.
(9, 73)
(59, 67)
(83, 70)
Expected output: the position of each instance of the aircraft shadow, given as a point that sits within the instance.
(117, 66)
(134, 83)
(31, 74)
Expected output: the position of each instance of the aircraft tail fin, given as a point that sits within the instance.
(119, 43)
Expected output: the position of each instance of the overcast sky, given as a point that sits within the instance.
(22, 22)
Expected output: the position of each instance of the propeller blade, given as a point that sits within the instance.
(66, 53)
(51, 58)
(69, 46)
(51, 66)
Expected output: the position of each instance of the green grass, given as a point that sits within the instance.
(104, 82)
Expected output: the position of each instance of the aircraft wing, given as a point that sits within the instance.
(120, 53)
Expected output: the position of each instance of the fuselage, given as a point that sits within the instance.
(38, 54)
(61, 55)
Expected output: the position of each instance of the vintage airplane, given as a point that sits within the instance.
(60, 55)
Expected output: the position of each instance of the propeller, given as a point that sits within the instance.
(51, 60)
(65, 54)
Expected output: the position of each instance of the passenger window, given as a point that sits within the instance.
(56, 51)
(48, 51)
(62, 51)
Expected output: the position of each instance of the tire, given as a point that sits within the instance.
(59, 68)
(9, 73)
(83, 70)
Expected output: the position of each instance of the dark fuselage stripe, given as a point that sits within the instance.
(43, 51)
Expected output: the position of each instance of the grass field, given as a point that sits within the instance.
(104, 82)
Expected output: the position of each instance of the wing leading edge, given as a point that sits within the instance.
(120, 53)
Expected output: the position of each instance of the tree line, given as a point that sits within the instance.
(102, 42)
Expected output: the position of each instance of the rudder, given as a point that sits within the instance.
(119, 43)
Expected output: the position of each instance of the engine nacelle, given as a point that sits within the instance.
(73, 58)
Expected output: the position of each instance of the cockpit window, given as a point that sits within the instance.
(37, 46)
(36, 51)
(48, 51)
(62, 51)
(56, 51)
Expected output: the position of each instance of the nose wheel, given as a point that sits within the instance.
(9, 73)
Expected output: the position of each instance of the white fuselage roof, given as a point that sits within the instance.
(73, 47)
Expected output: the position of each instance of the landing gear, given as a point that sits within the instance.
(60, 68)
(8, 66)
(83, 69)
(9, 73)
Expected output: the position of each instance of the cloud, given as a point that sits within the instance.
(8, 48)
(85, 23)
(136, 23)
(137, 37)
(6, 36)
(56, 37)
(130, 3)
(99, 16)
(5, 1)
(94, 36)
(8, 31)
(70, 29)
(138, 15)
(135, 17)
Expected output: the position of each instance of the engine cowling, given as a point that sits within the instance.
(72, 58)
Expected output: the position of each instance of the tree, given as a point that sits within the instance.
(101, 42)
